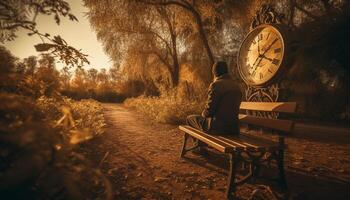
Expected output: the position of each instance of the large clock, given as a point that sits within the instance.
(262, 54)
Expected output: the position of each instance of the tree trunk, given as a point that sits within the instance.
(204, 37)
(187, 6)
(175, 70)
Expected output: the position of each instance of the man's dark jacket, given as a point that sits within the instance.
(222, 107)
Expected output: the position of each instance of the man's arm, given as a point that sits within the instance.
(212, 101)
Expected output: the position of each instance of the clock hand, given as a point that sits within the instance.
(257, 64)
(258, 53)
(267, 58)
(269, 47)
(256, 60)
(258, 46)
(263, 54)
(255, 69)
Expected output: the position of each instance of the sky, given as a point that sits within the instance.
(77, 34)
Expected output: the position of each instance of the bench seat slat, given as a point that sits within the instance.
(285, 107)
(229, 143)
(277, 124)
(235, 143)
(251, 142)
(211, 140)
(224, 139)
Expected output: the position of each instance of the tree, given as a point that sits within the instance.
(193, 10)
(31, 64)
(79, 80)
(92, 76)
(20, 68)
(65, 77)
(47, 74)
(151, 32)
(7, 61)
(103, 77)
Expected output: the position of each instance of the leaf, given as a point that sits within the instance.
(43, 47)
(78, 136)
(72, 17)
(58, 40)
(57, 19)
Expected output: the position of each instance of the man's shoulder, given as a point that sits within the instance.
(224, 85)
(224, 81)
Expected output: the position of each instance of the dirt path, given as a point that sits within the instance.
(142, 161)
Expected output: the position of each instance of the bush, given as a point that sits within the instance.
(169, 108)
(109, 95)
(86, 114)
(38, 141)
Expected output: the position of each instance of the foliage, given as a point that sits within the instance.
(100, 85)
(40, 134)
(41, 137)
(37, 76)
(71, 116)
(16, 14)
(170, 108)
(158, 33)
(60, 49)
(40, 130)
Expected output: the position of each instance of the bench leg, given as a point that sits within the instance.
(255, 169)
(231, 184)
(280, 160)
(183, 151)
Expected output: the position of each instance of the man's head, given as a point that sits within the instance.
(219, 68)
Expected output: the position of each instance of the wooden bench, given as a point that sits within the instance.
(249, 149)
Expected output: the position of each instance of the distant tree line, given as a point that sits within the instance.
(79, 84)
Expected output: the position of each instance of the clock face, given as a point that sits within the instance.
(261, 55)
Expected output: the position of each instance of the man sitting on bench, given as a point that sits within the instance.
(220, 115)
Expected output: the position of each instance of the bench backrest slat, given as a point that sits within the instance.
(285, 107)
(276, 124)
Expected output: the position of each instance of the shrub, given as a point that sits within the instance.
(86, 114)
(109, 95)
(169, 108)
(38, 138)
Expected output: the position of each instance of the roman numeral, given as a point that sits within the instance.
(269, 70)
(275, 61)
(254, 42)
(253, 74)
(268, 35)
(260, 36)
(278, 50)
(261, 75)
